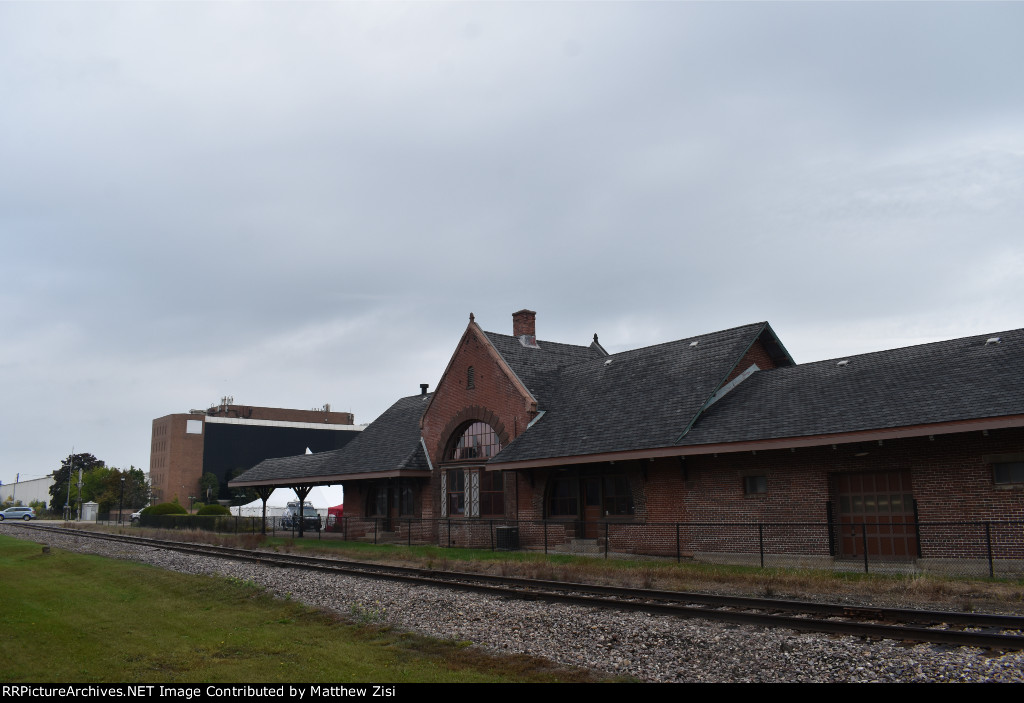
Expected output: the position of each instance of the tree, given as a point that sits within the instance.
(102, 484)
(59, 489)
(209, 487)
(242, 496)
(137, 491)
(96, 485)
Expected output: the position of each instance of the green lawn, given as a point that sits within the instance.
(78, 618)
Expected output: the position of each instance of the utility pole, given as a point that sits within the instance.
(80, 493)
(67, 502)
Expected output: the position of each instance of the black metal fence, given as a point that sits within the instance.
(978, 548)
(232, 524)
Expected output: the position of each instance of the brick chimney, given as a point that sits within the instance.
(524, 323)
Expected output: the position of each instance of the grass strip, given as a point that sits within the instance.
(70, 617)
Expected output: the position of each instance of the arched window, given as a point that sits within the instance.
(471, 491)
(478, 441)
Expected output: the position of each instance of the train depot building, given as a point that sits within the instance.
(715, 447)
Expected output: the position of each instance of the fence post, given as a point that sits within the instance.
(678, 553)
(490, 530)
(830, 526)
(606, 540)
(408, 534)
(917, 529)
(545, 536)
(864, 541)
(449, 532)
(375, 530)
(988, 545)
(760, 541)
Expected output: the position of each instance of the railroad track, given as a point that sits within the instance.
(995, 632)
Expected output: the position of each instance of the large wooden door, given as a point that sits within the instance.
(876, 510)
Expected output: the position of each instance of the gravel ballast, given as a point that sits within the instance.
(647, 647)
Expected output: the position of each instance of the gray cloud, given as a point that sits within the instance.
(298, 204)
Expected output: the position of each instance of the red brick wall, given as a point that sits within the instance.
(951, 479)
(176, 458)
(357, 525)
(492, 392)
(494, 399)
(755, 355)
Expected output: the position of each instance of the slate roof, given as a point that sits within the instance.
(538, 368)
(391, 443)
(960, 379)
(637, 399)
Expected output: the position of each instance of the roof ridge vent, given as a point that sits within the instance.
(844, 362)
(992, 340)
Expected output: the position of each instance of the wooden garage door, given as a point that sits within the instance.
(876, 508)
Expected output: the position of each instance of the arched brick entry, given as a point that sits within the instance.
(472, 413)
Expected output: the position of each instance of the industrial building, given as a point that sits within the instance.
(228, 439)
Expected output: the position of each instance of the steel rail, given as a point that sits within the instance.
(765, 611)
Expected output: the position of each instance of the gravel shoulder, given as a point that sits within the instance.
(647, 647)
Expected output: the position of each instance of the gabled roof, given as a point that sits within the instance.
(944, 382)
(639, 399)
(537, 367)
(389, 446)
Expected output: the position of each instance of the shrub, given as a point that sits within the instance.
(165, 509)
(213, 510)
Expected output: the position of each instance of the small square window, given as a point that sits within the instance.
(1009, 472)
(755, 485)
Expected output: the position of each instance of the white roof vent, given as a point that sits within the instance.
(693, 344)
(992, 340)
(607, 361)
(844, 362)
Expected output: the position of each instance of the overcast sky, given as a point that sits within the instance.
(301, 203)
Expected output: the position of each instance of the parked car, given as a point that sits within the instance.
(18, 512)
(310, 517)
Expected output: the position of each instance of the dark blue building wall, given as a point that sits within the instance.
(228, 447)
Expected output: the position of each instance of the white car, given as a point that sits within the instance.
(18, 512)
